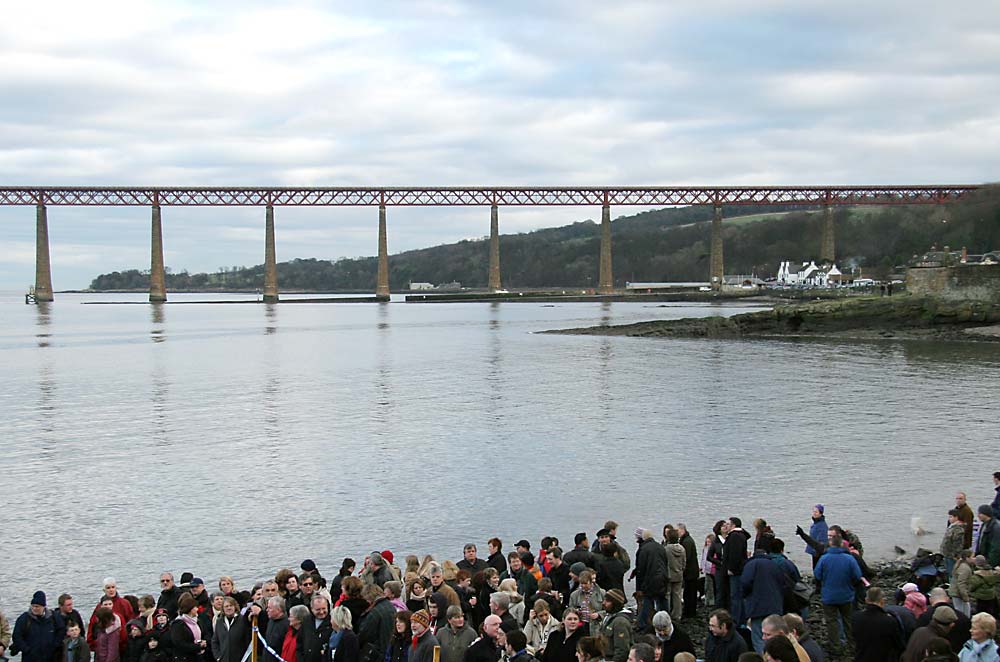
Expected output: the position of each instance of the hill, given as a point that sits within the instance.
(659, 245)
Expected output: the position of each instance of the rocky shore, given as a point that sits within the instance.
(889, 576)
(865, 318)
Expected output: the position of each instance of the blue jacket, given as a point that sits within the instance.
(35, 637)
(764, 584)
(817, 531)
(787, 567)
(839, 572)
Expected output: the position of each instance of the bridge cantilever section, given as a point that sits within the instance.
(460, 196)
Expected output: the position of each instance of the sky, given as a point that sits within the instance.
(451, 93)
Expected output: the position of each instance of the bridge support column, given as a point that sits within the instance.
(382, 283)
(43, 268)
(607, 282)
(157, 275)
(716, 266)
(270, 262)
(494, 279)
(827, 249)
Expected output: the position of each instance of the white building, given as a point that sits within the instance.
(421, 286)
(808, 275)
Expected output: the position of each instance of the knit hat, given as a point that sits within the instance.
(38, 598)
(945, 615)
(820, 508)
(308, 565)
(638, 533)
(981, 562)
(421, 617)
(577, 568)
(985, 509)
(910, 587)
(387, 555)
(616, 596)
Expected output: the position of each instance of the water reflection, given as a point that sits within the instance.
(157, 316)
(43, 321)
(271, 394)
(494, 372)
(271, 318)
(383, 367)
(605, 355)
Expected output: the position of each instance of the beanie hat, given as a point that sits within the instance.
(308, 565)
(387, 555)
(38, 598)
(421, 617)
(820, 508)
(910, 587)
(981, 562)
(616, 596)
(944, 615)
(638, 533)
(577, 568)
(985, 509)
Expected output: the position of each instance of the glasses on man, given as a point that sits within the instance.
(164, 581)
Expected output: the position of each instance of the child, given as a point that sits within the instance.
(74, 647)
(136, 641)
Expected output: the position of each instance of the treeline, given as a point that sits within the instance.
(661, 245)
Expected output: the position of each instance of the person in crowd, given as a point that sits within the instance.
(351, 588)
(989, 536)
(297, 616)
(539, 627)
(515, 606)
(914, 600)
(780, 649)
(114, 625)
(692, 572)
(611, 527)
(316, 631)
(587, 600)
(722, 643)
(818, 531)
(642, 652)
(792, 576)
(516, 647)
(839, 572)
(228, 589)
(940, 625)
(708, 569)
(983, 586)
(762, 533)
(591, 649)
(581, 552)
(226, 632)
(616, 626)
(169, 593)
(346, 570)
(551, 596)
(487, 647)
(417, 592)
(159, 644)
(293, 593)
(532, 569)
(959, 633)
(65, 614)
(393, 592)
(775, 626)
(676, 565)
(456, 636)
(610, 569)
(277, 627)
(135, 645)
(559, 573)
(958, 588)
(496, 559)
(500, 606)
(966, 517)
(670, 638)
(343, 644)
(981, 646)
(424, 640)
(439, 585)
(734, 557)
(800, 632)
(185, 633)
(376, 570)
(763, 589)
(953, 541)
(74, 645)
(122, 607)
(470, 560)
(995, 506)
(562, 643)
(399, 643)
(526, 582)
(375, 625)
(651, 576)
(716, 556)
(437, 608)
(198, 592)
(147, 607)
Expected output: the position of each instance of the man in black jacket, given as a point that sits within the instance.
(485, 648)
(375, 629)
(692, 572)
(650, 577)
(559, 574)
(314, 633)
(168, 595)
(610, 569)
(877, 634)
(734, 557)
(581, 552)
(722, 643)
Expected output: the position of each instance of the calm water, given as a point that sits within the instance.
(237, 439)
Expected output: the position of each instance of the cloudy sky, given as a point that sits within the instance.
(439, 93)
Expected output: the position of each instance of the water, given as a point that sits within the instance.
(238, 439)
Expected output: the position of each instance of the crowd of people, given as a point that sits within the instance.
(554, 606)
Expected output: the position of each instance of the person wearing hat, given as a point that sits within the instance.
(422, 647)
(817, 531)
(941, 624)
(989, 536)
(959, 634)
(610, 569)
(983, 586)
(35, 632)
(616, 627)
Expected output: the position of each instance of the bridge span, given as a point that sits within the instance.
(494, 197)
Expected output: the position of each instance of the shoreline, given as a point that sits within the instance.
(903, 317)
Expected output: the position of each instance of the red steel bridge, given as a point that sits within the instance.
(494, 197)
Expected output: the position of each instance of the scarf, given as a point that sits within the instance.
(192, 624)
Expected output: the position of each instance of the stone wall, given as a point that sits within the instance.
(970, 282)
